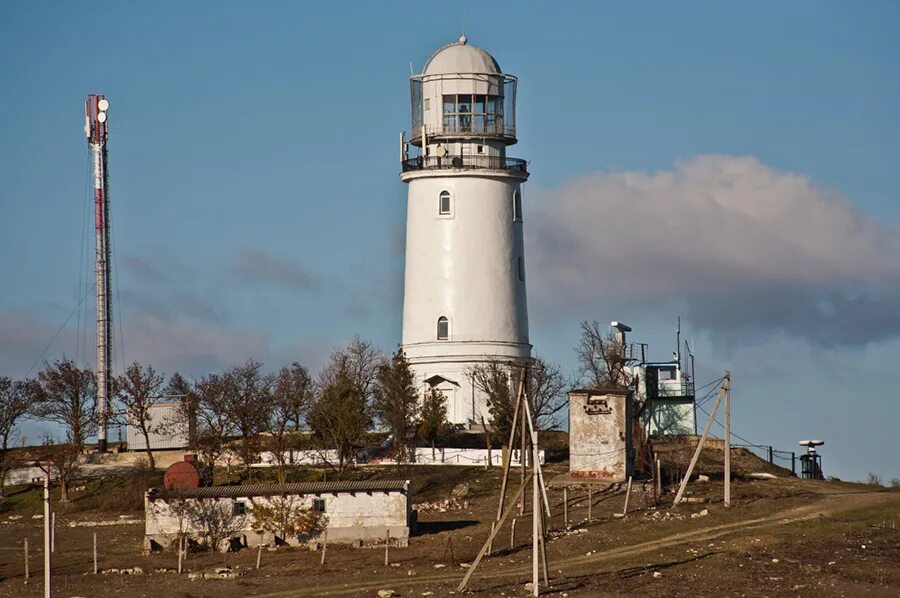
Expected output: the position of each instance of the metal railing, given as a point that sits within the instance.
(474, 128)
(465, 161)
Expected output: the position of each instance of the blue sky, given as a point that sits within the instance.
(735, 164)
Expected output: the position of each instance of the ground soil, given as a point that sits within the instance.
(780, 537)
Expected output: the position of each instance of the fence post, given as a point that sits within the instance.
(771, 456)
(26, 559)
(258, 554)
(566, 507)
(794, 464)
(387, 546)
(95, 554)
(512, 534)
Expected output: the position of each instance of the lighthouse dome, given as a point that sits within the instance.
(460, 57)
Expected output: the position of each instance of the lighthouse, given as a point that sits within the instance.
(464, 300)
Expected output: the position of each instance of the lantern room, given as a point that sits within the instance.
(462, 94)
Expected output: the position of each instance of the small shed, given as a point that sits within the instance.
(600, 434)
(350, 512)
(168, 428)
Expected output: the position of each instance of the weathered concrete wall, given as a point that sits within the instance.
(349, 518)
(600, 434)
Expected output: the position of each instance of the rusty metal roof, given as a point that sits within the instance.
(273, 489)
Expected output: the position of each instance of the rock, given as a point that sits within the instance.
(386, 593)
(694, 500)
(657, 574)
(774, 560)
(702, 479)
(703, 513)
(529, 586)
(761, 475)
(411, 573)
(440, 566)
(465, 565)
(395, 564)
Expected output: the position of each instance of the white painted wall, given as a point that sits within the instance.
(350, 517)
(175, 434)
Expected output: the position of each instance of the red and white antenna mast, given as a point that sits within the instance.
(95, 128)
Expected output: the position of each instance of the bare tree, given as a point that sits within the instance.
(341, 415)
(139, 391)
(61, 459)
(601, 358)
(495, 379)
(433, 426)
(395, 400)
(286, 517)
(546, 393)
(17, 398)
(357, 363)
(66, 394)
(292, 396)
(248, 405)
(213, 518)
(207, 405)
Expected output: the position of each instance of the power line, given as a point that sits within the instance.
(72, 313)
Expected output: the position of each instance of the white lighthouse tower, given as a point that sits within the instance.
(464, 297)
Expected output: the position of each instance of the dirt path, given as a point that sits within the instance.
(829, 504)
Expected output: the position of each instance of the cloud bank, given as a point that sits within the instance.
(738, 247)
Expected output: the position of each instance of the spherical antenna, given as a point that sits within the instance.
(103, 104)
(102, 117)
(463, 39)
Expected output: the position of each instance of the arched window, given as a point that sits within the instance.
(517, 206)
(444, 203)
(443, 328)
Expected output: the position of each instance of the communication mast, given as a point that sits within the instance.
(95, 128)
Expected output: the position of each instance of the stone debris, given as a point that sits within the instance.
(386, 593)
(657, 574)
(664, 516)
(702, 479)
(760, 475)
(128, 571)
(454, 502)
(703, 513)
(14, 517)
(440, 566)
(218, 573)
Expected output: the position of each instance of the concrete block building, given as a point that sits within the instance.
(351, 512)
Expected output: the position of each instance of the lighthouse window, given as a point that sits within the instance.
(443, 328)
(477, 113)
(444, 203)
(517, 206)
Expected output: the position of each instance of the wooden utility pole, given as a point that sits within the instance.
(690, 469)
(727, 438)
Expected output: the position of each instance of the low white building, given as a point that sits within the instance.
(348, 512)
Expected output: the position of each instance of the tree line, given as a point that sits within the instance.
(244, 411)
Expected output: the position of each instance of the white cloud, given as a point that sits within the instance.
(739, 246)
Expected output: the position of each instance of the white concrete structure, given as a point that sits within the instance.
(351, 512)
(464, 296)
(601, 434)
